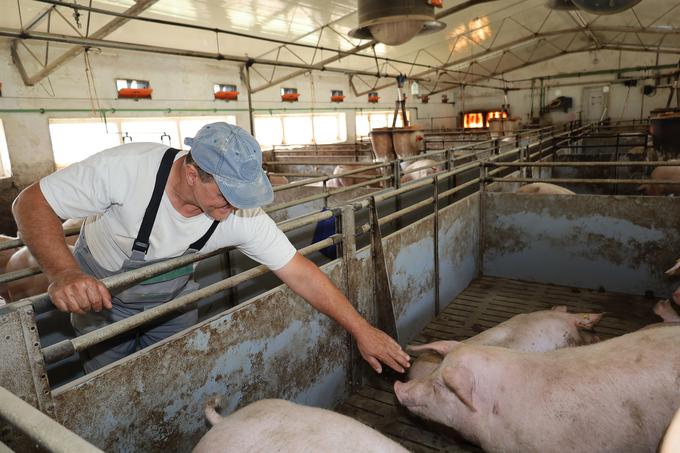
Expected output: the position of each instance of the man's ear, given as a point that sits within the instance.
(191, 174)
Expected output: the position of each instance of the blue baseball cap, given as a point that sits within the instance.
(233, 157)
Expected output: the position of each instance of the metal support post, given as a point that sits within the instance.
(353, 282)
(382, 292)
(482, 214)
(436, 245)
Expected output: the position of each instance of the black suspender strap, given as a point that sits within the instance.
(141, 244)
(198, 245)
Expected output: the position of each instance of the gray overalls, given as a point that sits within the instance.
(150, 293)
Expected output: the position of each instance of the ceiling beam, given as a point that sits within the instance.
(139, 7)
(527, 40)
(91, 42)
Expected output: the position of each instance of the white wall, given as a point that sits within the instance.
(178, 83)
(618, 106)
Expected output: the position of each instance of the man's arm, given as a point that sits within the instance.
(375, 346)
(40, 228)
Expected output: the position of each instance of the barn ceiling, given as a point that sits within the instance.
(483, 42)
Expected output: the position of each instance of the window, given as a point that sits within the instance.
(75, 140)
(93, 135)
(365, 122)
(5, 167)
(300, 129)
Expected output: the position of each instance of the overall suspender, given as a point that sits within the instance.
(141, 243)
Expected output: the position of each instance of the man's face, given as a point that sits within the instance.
(211, 201)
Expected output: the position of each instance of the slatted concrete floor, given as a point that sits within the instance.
(486, 302)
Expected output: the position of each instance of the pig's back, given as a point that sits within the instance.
(278, 425)
(618, 395)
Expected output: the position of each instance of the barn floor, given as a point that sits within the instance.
(486, 302)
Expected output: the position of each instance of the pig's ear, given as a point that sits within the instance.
(587, 320)
(562, 308)
(460, 381)
(440, 347)
(673, 269)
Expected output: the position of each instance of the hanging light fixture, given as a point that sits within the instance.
(397, 21)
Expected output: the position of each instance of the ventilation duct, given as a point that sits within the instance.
(593, 6)
(395, 22)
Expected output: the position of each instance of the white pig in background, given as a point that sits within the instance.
(281, 426)
(426, 167)
(666, 312)
(615, 396)
(670, 173)
(540, 331)
(544, 189)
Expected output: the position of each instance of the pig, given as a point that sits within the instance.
(427, 167)
(540, 331)
(665, 311)
(674, 270)
(671, 440)
(544, 189)
(5, 254)
(663, 174)
(22, 259)
(27, 286)
(277, 180)
(274, 425)
(613, 396)
(346, 181)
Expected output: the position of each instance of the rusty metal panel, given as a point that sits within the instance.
(618, 243)
(409, 257)
(458, 247)
(22, 370)
(274, 346)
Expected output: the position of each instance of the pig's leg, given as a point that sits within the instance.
(664, 310)
(676, 296)
(588, 337)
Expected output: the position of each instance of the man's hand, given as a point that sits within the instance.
(74, 291)
(376, 346)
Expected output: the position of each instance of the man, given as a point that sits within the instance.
(145, 202)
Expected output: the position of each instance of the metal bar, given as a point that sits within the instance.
(92, 42)
(382, 291)
(284, 226)
(352, 284)
(305, 182)
(414, 207)
(67, 348)
(587, 181)
(435, 238)
(457, 189)
(71, 231)
(585, 164)
(134, 10)
(45, 432)
(19, 274)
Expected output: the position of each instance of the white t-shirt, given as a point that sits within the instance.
(113, 188)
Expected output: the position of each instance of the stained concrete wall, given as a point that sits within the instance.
(620, 244)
